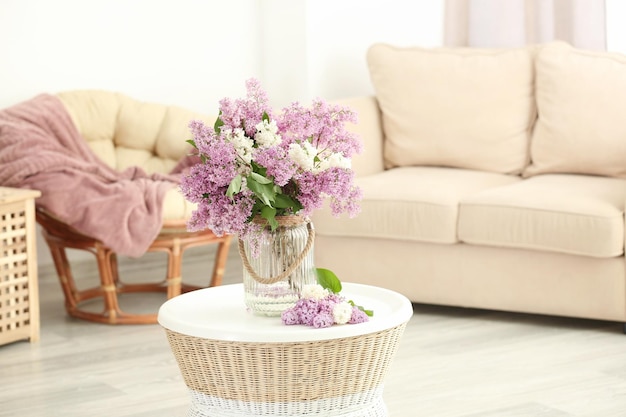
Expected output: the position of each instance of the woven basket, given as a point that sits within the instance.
(339, 376)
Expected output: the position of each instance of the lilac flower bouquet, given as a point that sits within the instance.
(321, 305)
(254, 162)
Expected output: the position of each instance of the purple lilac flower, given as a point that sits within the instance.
(248, 112)
(219, 167)
(290, 316)
(323, 123)
(327, 303)
(309, 192)
(222, 214)
(307, 310)
(334, 182)
(195, 184)
(278, 164)
(348, 205)
(335, 298)
(323, 319)
(358, 316)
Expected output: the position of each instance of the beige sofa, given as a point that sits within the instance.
(492, 179)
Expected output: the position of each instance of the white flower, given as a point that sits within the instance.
(334, 160)
(339, 161)
(313, 292)
(342, 312)
(267, 134)
(303, 155)
(242, 143)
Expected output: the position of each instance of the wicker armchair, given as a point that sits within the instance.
(125, 133)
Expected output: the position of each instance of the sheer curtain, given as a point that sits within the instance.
(510, 23)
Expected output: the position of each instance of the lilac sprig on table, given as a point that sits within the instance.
(321, 305)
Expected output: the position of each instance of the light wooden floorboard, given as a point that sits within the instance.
(452, 362)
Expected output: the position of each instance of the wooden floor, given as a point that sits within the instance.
(451, 363)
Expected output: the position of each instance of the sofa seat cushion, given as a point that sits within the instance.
(467, 108)
(411, 203)
(574, 214)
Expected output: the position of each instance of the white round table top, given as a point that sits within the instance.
(220, 313)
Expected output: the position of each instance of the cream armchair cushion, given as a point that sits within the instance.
(463, 108)
(125, 132)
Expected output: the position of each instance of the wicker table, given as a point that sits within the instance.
(238, 364)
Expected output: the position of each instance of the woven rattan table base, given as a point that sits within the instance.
(337, 377)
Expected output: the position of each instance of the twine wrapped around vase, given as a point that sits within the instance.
(283, 221)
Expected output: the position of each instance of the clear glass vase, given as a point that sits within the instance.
(273, 279)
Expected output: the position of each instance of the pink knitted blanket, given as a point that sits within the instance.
(40, 148)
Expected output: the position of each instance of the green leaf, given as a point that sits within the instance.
(264, 192)
(259, 169)
(257, 207)
(192, 143)
(328, 280)
(269, 213)
(260, 178)
(369, 313)
(235, 186)
(284, 201)
(265, 117)
(218, 123)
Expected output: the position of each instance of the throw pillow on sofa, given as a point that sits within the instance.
(457, 107)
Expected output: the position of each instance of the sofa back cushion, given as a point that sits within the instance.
(581, 97)
(125, 132)
(458, 107)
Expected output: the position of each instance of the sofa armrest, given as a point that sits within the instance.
(369, 128)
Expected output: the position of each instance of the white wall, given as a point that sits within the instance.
(285, 53)
(615, 28)
(194, 52)
(185, 52)
(340, 32)
(318, 49)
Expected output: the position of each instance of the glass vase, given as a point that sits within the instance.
(273, 279)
